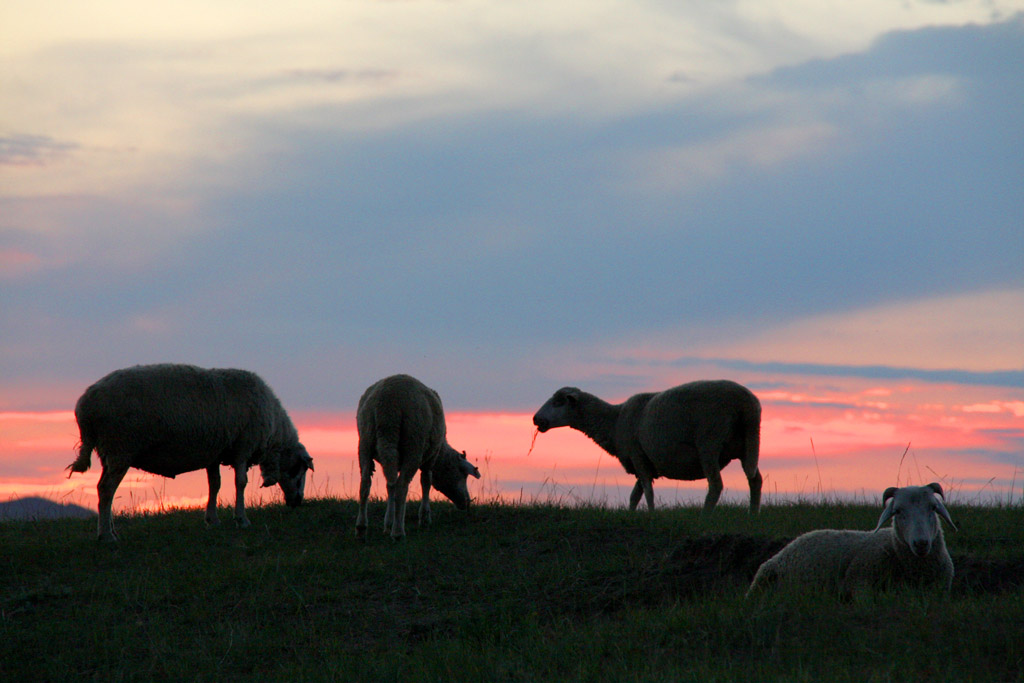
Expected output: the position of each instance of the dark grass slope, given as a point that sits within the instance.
(501, 593)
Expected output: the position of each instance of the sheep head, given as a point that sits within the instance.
(449, 474)
(289, 474)
(914, 511)
(561, 410)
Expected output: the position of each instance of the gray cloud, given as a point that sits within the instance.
(24, 149)
(484, 249)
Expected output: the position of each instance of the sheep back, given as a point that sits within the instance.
(402, 413)
(719, 413)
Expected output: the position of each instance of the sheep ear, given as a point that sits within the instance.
(887, 511)
(468, 468)
(934, 486)
(268, 480)
(889, 493)
(308, 459)
(944, 513)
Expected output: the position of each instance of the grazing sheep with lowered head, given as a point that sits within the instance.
(689, 432)
(911, 552)
(171, 419)
(401, 425)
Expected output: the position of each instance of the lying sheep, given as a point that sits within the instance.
(171, 419)
(911, 552)
(401, 425)
(689, 432)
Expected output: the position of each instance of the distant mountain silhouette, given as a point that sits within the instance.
(40, 508)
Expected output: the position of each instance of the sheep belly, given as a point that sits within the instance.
(686, 468)
(684, 464)
(171, 460)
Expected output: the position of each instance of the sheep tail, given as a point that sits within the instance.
(84, 460)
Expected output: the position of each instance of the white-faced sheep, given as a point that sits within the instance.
(170, 419)
(401, 425)
(910, 552)
(689, 432)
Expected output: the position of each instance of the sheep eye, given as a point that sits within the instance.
(558, 402)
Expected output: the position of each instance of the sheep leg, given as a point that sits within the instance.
(108, 483)
(391, 478)
(400, 493)
(366, 468)
(366, 477)
(634, 497)
(425, 481)
(396, 506)
(213, 477)
(645, 480)
(715, 487)
(241, 479)
(755, 482)
(389, 511)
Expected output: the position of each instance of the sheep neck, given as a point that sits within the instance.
(598, 420)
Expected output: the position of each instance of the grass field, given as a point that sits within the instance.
(501, 593)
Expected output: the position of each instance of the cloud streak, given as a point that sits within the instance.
(32, 150)
(1006, 378)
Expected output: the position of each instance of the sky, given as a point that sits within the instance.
(821, 200)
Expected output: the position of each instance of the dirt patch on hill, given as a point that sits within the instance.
(976, 575)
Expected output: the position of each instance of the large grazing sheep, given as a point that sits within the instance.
(401, 425)
(171, 419)
(910, 552)
(689, 432)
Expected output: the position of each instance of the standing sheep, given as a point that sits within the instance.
(689, 432)
(912, 551)
(401, 425)
(171, 419)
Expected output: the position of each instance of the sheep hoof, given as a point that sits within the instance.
(242, 523)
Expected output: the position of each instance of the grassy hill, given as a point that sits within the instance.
(504, 592)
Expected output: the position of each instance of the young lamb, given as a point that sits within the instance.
(401, 425)
(688, 432)
(171, 419)
(911, 552)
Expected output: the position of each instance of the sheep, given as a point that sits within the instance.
(169, 419)
(910, 552)
(401, 425)
(688, 432)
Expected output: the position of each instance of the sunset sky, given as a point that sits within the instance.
(821, 200)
